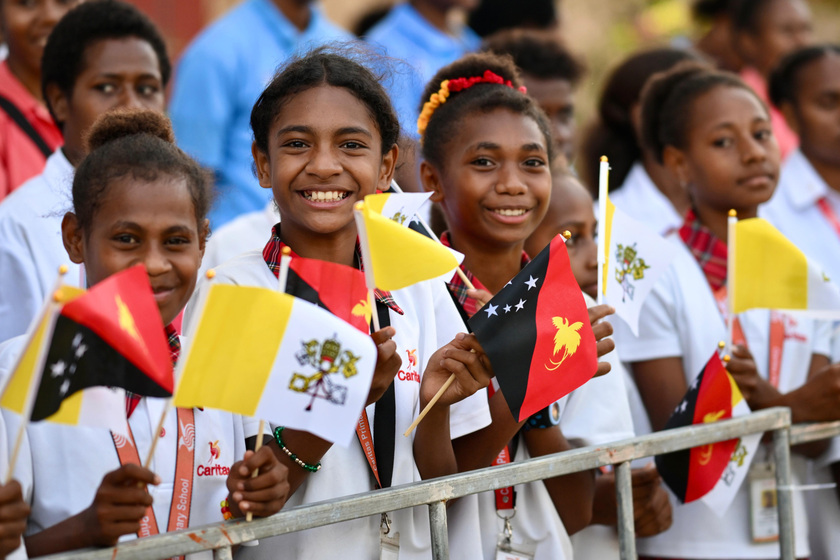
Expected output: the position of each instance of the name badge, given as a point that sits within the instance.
(764, 513)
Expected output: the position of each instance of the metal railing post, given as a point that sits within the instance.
(223, 553)
(437, 525)
(784, 494)
(624, 500)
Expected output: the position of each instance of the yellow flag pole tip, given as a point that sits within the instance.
(733, 213)
(210, 274)
(727, 358)
(286, 251)
(721, 345)
(567, 234)
(359, 206)
(63, 269)
(604, 159)
(57, 296)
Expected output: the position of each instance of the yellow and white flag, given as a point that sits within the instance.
(770, 272)
(396, 257)
(398, 207)
(635, 256)
(266, 354)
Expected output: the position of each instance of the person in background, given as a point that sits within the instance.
(550, 73)
(103, 55)
(639, 184)
(221, 75)
(492, 16)
(764, 32)
(715, 17)
(28, 135)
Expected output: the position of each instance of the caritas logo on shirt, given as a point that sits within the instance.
(212, 468)
(410, 371)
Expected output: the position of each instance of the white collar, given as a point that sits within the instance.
(802, 185)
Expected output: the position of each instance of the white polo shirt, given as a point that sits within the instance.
(680, 318)
(430, 322)
(248, 232)
(61, 466)
(31, 249)
(795, 212)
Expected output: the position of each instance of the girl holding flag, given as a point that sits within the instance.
(714, 134)
(138, 199)
(487, 152)
(325, 137)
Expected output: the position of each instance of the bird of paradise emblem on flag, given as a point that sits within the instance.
(567, 339)
(628, 265)
(326, 358)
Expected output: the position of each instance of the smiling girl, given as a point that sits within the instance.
(137, 199)
(715, 135)
(325, 137)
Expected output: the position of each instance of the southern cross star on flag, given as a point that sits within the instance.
(537, 335)
(710, 473)
(110, 336)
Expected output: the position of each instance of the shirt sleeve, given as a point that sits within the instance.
(20, 286)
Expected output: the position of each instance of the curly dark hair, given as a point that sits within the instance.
(540, 54)
(667, 102)
(327, 65)
(480, 98)
(140, 144)
(88, 23)
(784, 82)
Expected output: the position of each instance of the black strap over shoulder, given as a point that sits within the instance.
(385, 419)
(27, 128)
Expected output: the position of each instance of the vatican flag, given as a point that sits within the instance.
(635, 257)
(771, 272)
(261, 353)
(398, 207)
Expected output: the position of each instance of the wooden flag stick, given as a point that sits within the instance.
(250, 516)
(367, 263)
(49, 311)
(432, 402)
(603, 190)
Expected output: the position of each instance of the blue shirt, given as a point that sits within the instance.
(407, 35)
(219, 77)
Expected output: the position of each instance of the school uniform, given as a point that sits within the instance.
(680, 318)
(640, 199)
(61, 467)
(31, 248)
(6, 444)
(428, 321)
(804, 208)
(216, 83)
(245, 233)
(423, 49)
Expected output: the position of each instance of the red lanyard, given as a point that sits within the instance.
(179, 509)
(505, 497)
(828, 212)
(364, 434)
(777, 337)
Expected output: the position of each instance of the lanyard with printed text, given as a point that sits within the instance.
(379, 442)
(179, 510)
(828, 213)
(777, 337)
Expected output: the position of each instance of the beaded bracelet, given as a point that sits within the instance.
(226, 514)
(278, 431)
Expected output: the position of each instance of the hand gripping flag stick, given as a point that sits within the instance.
(566, 236)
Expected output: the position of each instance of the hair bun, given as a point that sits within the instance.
(120, 124)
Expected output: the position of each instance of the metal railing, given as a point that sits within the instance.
(220, 537)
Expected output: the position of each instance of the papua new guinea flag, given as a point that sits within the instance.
(692, 473)
(339, 289)
(537, 335)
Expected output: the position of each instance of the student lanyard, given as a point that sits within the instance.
(828, 212)
(777, 337)
(505, 497)
(179, 510)
(379, 451)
